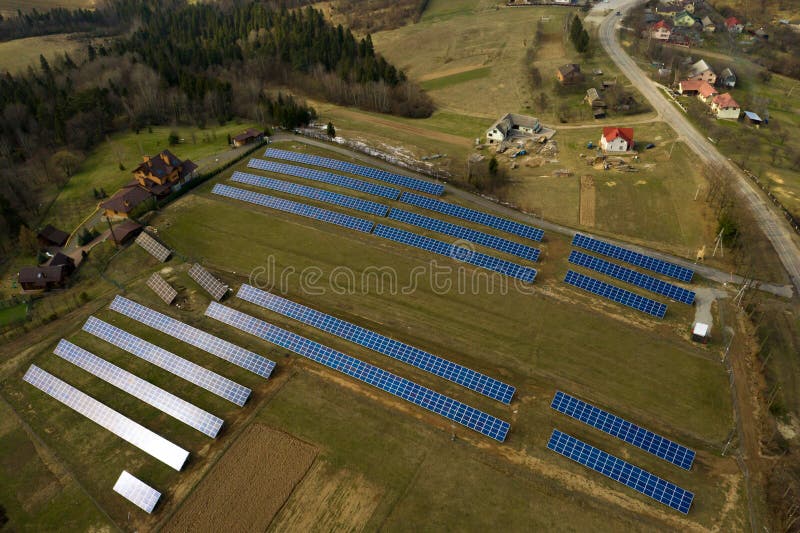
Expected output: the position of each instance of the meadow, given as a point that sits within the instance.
(17, 55)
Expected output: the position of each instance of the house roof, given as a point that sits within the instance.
(126, 199)
(612, 133)
(509, 120)
(163, 163)
(569, 68)
(752, 116)
(40, 276)
(731, 21)
(698, 68)
(592, 95)
(707, 21)
(702, 87)
(61, 259)
(725, 100)
(249, 133)
(662, 24)
(126, 228)
(727, 73)
(53, 235)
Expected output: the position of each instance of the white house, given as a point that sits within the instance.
(511, 124)
(724, 106)
(734, 25)
(660, 30)
(617, 139)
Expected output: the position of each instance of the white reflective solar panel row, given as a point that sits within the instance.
(137, 492)
(162, 288)
(145, 391)
(120, 425)
(210, 284)
(153, 247)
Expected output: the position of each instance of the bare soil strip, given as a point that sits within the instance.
(587, 203)
(249, 485)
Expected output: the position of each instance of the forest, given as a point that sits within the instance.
(177, 63)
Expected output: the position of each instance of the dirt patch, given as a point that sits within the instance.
(329, 501)
(448, 72)
(413, 130)
(249, 485)
(586, 211)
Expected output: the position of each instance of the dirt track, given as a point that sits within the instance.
(248, 486)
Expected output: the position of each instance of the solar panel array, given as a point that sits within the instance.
(479, 217)
(624, 430)
(634, 258)
(153, 247)
(325, 177)
(456, 252)
(191, 372)
(359, 170)
(631, 276)
(118, 424)
(402, 388)
(197, 338)
(145, 391)
(351, 202)
(374, 341)
(460, 232)
(137, 492)
(629, 475)
(162, 288)
(616, 294)
(296, 208)
(210, 284)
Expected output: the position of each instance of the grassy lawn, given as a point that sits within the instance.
(17, 55)
(101, 168)
(454, 79)
(11, 315)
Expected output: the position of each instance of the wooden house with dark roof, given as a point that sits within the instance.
(51, 236)
(163, 173)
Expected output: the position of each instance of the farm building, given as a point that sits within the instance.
(661, 30)
(511, 124)
(569, 73)
(51, 236)
(125, 200)
(725, 107)
(163, 173)
(249, 136)
(701, 71)
(42, 278)
(752, 118)
(708, 25)
(617, 139)
(701, 89)
(727, 78)
(126, 231)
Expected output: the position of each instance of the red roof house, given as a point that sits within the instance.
(617, 139)
(734, 25)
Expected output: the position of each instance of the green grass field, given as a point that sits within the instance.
(408, 464)
(17, 55)
(101, 168)
(454, 79)
(11, 315)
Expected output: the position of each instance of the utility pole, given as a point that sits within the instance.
(718, 244)
(111, 229)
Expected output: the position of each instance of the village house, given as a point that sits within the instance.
(661, 30)
(683, 20)
(51, 236)
(702, 89)
(668, 10)
(727, 78)
(701, 71)
(752, 118)
(125, 200)
(734, 25)
(42, 278)
(249, 136)
(569, 74)
(511, 124)
(725, 107)
(597, 104)
(708, 25)
(617, 139)
(126, 231)
(163, 173)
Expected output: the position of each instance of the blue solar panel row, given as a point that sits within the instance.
(629, 475)
(325, 177)
(624, 430)
(634, 258)
(408, 390)
(627, 275)
(616, 294)
(359, 170)
(374, 341)
(456, 252)
(479, 217)
(460, 232)
(365, 206)
(296, 208)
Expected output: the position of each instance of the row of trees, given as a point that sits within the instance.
(578, 35)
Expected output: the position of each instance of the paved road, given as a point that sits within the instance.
(779, 233)
(486, 204)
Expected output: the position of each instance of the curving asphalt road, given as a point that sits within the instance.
(772, 223)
